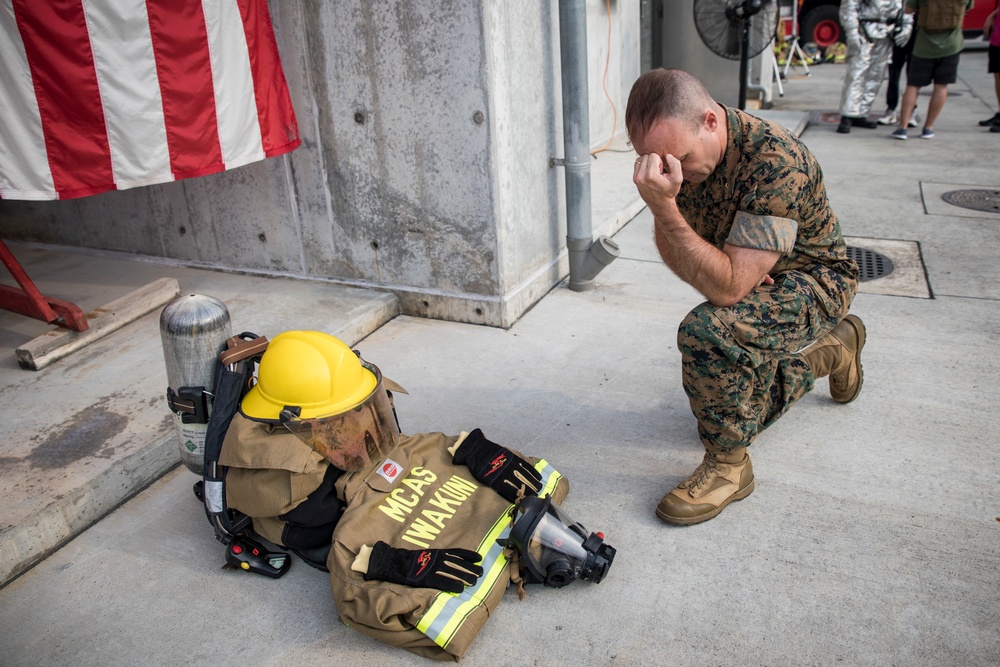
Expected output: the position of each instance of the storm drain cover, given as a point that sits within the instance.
(872, 264)
(977, 200)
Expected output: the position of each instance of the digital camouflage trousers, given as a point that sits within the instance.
(740, 366)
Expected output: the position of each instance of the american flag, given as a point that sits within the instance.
(99, 95)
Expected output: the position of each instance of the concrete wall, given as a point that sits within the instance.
(427, 131)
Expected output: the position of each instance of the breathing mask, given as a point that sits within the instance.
(556, 549)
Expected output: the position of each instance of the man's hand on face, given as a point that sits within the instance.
(656, 183)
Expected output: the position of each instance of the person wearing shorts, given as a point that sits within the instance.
(991, 32)
(922, 72)
(934, 59)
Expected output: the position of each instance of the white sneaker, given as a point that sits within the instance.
(890, 118)
(914, 121)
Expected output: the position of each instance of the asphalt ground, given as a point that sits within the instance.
(871, 538)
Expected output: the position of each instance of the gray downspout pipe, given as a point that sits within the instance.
(765, 93)
(586, 256)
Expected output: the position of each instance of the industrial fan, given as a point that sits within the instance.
(736, 29)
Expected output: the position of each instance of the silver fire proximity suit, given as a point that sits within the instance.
(870, 28)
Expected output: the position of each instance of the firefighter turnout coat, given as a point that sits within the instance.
(416, 498)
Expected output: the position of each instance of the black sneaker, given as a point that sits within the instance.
(845, 126)
(994, 121)
(864, 122)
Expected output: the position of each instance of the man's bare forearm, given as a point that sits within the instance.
(692, 258)
(724, 276)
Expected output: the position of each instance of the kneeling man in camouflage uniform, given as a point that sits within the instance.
(741, 214)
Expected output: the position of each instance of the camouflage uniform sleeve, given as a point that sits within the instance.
(767, 218)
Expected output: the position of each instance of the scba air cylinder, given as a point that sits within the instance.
(194, 329)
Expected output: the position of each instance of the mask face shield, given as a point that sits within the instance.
(556, 549)
(353, 439)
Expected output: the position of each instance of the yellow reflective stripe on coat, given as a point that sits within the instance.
(449, 610)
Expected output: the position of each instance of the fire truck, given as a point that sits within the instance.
(819, 21)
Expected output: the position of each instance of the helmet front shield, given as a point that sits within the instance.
(355, 438)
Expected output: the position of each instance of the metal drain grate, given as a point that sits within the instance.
(977, 200)
(872, 264)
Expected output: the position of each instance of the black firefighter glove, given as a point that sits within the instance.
(497, 467)
(444, 569)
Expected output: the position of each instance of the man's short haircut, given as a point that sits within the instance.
(665, 93)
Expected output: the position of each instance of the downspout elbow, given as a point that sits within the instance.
(587, 258)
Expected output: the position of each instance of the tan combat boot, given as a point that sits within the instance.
(721, 478)
(838, 354)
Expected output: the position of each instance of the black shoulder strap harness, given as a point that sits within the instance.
(233, 378)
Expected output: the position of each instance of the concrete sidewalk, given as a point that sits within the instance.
(871, 538)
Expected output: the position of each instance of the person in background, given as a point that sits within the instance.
(900, 58)
(993, 35)
(871, 28)
(934, 59)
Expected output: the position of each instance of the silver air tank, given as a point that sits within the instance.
(194, 329)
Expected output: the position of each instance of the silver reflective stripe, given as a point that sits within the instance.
(458, 607)
(213, 496)
(445, 616)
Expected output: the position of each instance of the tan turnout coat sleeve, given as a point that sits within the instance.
(270, 473)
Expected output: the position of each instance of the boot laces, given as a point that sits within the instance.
(708, 469)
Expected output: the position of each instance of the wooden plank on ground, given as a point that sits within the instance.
(58, 343)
